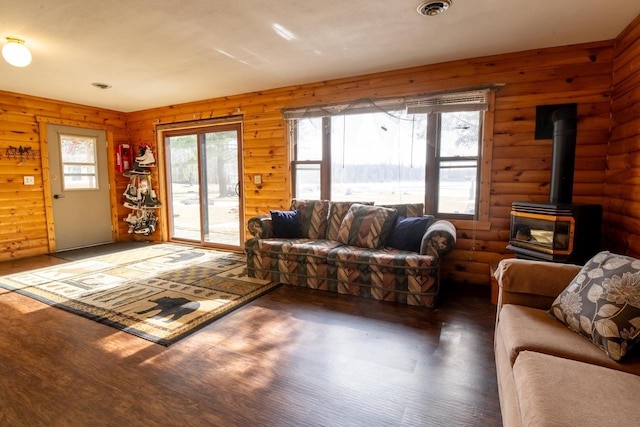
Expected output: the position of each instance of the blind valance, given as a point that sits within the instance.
(469, 100)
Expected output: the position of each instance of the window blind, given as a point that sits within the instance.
(357, 107)
(470, 100)
(477, 100)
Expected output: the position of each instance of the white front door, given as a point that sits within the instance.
(79, 186)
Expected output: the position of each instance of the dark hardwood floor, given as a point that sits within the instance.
(294, 357)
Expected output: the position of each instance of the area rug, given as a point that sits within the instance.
(161, 292)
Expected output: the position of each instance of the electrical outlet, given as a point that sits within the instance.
(257, 179)
(29, 180)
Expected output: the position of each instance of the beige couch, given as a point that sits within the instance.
(549, 375)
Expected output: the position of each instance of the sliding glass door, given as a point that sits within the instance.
(203, 170)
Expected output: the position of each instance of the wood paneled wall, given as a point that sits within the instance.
(622, 199)
(25, 226)
(519, 163)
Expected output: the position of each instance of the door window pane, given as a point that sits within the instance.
(184, 187)
(78, 159)
(220, 188)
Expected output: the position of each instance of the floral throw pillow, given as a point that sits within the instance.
(602, 303)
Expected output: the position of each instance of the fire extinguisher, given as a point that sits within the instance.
(124, 157)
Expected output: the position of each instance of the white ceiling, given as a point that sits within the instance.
(162, 52)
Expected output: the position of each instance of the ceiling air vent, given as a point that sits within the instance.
(433, 8)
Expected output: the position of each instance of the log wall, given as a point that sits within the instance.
(622, 200)
(26, 226)
(519, 163)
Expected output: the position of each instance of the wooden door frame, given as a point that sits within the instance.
(46, 171)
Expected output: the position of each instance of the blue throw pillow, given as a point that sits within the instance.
(286, 224)
(407, 233)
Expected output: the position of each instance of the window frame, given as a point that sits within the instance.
(434, 166)
(67, 177)
(324, 162)
(477, 221)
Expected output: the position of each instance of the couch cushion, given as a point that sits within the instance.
(366, 226)
(603, 303)
(293, 249)
(401, 262)
(407, 233)
(553, 391)
(286, 223)
(509, 406)
(313, 217)
(385, 274)
(522, 328)
(337, 212)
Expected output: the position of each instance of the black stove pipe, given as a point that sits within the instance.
(565, 127)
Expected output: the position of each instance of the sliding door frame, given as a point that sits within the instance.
(200, 128)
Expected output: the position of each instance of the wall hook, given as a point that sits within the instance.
(23, 153)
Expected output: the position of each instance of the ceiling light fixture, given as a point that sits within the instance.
(16, 53)
(433, 8)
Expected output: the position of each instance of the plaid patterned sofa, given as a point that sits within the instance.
(344, 247)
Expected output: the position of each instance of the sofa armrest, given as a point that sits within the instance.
(261, 226)
(439, 239)
(532, 283)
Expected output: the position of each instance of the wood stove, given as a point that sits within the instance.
(559, 231)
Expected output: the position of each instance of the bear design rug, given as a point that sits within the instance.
(161, 292)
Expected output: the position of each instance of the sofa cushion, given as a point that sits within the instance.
(603, 303)
(313, 217)
(366, 226)
(296, 249)
(553, 391)
(385, 274)
(400, 262)
(521, 328)
(407, 233)
(286, 223)
(337, 212)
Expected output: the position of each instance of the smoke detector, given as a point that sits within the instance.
(433, 8)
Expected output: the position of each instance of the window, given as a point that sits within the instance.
(455, 159)
(308, 167)
(425, 150)
(79, 162)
